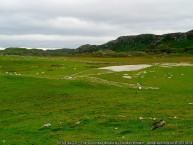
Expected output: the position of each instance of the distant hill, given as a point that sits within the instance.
(22, 51)
(37, 52)
(122, 46)
(167, 43)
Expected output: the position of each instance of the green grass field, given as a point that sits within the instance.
(83, 103)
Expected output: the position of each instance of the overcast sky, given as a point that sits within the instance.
(71, 23)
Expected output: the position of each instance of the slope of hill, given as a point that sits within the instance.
(149, 43)
(168, 43)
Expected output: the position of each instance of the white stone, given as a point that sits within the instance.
(46, 125)
(127, 77)
(141, 118)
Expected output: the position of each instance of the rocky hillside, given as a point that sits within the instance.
(167, 43)
(122, 46)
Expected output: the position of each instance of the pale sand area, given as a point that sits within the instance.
(126, 67)
(175, 64)
(142, 66)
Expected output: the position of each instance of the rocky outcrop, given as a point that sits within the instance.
(168, 43)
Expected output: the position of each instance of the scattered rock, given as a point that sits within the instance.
(69, 78)
(127, 77)
(158, 124)
(77, 122)
(121, 116)
(141, 118)
(47, 125)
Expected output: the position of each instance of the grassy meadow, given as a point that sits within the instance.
(84, 103)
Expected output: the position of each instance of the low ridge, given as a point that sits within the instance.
(169, 43)
(144, 43)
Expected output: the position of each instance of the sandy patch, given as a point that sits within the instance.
(126, 67)
(175, 64)
(142, 66)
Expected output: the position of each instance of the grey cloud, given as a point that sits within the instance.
(101, 19)
(53, 41)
